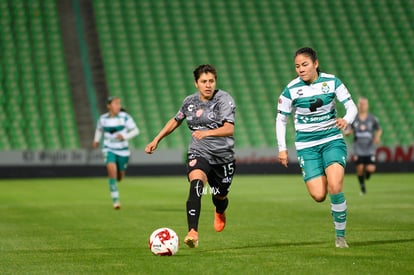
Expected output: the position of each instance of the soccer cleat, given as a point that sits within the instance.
(191, 239)
(340, 242)
(117, 206)
(219, 221)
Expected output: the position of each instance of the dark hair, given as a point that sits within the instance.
(110, 99)
(202, 69)
(309, 52)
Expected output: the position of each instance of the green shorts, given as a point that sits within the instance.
(120, 161)
(313, 161)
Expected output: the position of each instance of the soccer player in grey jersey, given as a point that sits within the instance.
(210, 115)
(367, 133)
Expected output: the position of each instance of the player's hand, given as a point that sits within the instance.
(151, 147)
(120, 137)
(95, 144)
(283, 158)
(341, 123)
(199, 134)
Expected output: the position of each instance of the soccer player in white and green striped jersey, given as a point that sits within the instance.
(117, 127)
(319, 141)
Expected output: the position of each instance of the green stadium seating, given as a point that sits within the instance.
(149, 49)
(36, 97)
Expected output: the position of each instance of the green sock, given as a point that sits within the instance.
(113, 188)
(338, 208)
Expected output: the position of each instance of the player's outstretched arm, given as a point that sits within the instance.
(168, 128)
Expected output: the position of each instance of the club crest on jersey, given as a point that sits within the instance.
(190, 107)
(325, 87)
(192, 162)
(199, 112)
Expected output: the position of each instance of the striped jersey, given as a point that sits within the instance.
(313, 106)
(122, 123)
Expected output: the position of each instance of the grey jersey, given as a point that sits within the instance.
(364, 131)
(209, 115)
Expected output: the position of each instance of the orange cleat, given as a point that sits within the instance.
(191, 239)
(219, 221)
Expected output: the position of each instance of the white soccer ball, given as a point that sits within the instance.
(164, 242)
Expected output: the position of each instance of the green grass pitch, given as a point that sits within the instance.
(68, 226)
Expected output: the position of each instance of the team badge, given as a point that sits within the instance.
(325, 87)
(199, 112)
(192, 162)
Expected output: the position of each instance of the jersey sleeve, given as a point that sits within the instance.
(284, 104)
(345, 98)
(284, 108)
(180, 115)
(130, 123)
(342, 92)
(228, 109)
(99, 124)
(98, 131)
(377, 125)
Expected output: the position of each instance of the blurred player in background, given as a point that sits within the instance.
(320, 146)
(117, 127)
(210, 115)
(367, 134)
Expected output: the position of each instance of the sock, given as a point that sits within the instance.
(221, 205)
(361, 180)
(367, 175)
(194, 204)
(338, 208)
(113, 189)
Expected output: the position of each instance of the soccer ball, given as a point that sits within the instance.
(164, 242)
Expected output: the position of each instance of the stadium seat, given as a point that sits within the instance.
(150, 48)
(37, 94)
(252, 45)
